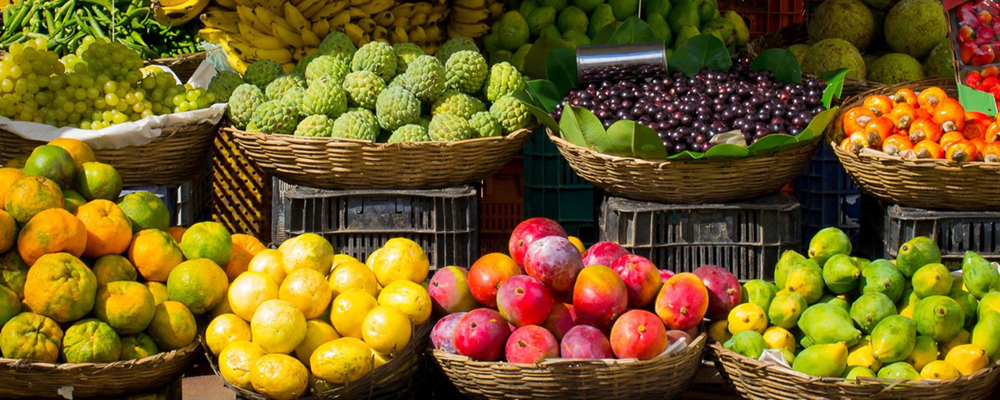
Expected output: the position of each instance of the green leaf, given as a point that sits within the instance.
(727, 150)
(781, 62)
(632, 30)
(834, 85)
(702, 51)
(604, 35)
(771, 144)
(647, 144)
(817, 126)
(539, 51)
(561, 70)
(545, 93)
(620, 135)
(569, 128)
(593, 131)
(533, 107)
(687, 155)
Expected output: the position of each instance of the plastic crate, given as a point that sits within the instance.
(766, 16)
(747, 238)
(553, 190)
(445, 222)
(828, 197)
(501, 207)
(241, 192)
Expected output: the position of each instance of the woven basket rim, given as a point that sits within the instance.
(44, 367)
(377, 145)
(180, 58)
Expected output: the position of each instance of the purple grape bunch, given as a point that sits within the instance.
(687, 112)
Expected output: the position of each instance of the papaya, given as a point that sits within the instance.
(907, 303)
(917, 253)
(786, 308)
(870, 309)
(838, 301)
(827, 243)
(962, 339)
(747, 343)
(806, 279)
(899, 370)
(882, 276)
(788, 260)
(861, 262)
(986, 334)
(840, 274)
(939, 370)
(893, 339)
(932, 279)
(979, 275)
(825, 323)
(968, 303)
(862, 355)
(823, 360)
(967, 358)
(925, 350)
(939, 317)
(759, 292)
(989, 302)
(747, 317)
(789, 356)
(779, 338)
(719, 331)
(858, 372)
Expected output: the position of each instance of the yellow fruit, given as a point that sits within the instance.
(380, 359)
(340, 259)
(353, 275)
(236, 360)
(945, 347)
(8, 231)
(245, 247)
(307, 251)
(719, 331)
(225, 329)
(31, 336)
(159, 292)
(967, 358)
(269, 262)
(154, 253)
(91, 341)
(386, 329)
(342, 360)
(747, 317)
(862, 355)
(278, 327)
(349, 310)
(78, 150)
(779, 338)
(249, 291)
(222, 308)
(279, 376)
(578, 243)
(127, 307)
(61, 287)
(307, 290)
(939, 370)
(113, 268)
(399, 259)
(317, 333)
(199, 284)
(7, 178)
(409, 298)
(173, 326)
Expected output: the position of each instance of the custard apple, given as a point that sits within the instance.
(277, 88)
(409, 133)
(447, 127)
(425, 78)
(303, 64)
(459, 104)
(338, 45)
(502, 80)
(405, 54)
(453, 46)
(262, 72)
(325, 97)
(295, 95)
(377, 57)
(485, 125)
(465, 72)
(396, 107)
(326, 66)
(511, 113)
(245, 99)
(223, 84)
(363, 88)
(276, 116)
(315, 126)
(368, 116)
(354, 125)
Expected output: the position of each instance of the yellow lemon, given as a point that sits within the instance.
(278, 327)
(248, 291)
(270, 262)
(386, 329)
(236, 360)
(339, 259)
(307, 290)
(747, 317)
(779, 338)
(279, 376)
(399, 259)
(408, 298)
(353, 275)
(967, 358)
(939, 370)
(225, 329)
(317, 333)
(349, 310)
(307, 251)
(342, 360)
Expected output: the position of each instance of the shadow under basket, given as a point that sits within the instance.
(755, 380)
(663, 377)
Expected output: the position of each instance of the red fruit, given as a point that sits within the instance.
(966, 50)
(984, 34)
(966, 34)
(561, 319)
(523, 300)
(682, 302)
(675, 335)
(642, 279)
(487, 273)
(585, 342)
(443, 333)
(449, 290)
(554, 261)
(481, 335)
(995, 91)
(967, 15)
(984, 17)
(603, 253)
(990, 82)
(530, 345)
(638, 334)
(724, 291)
(528, 231)
(666, 274)
(991, 70)
(599, 297)
(973, 78)
(983, 55)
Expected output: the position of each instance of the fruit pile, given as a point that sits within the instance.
(688, 112)
(552, 299)
(338, 318)
(929, 124)
(987, 80)
(842, 316)
(381, 92)
(978, 34)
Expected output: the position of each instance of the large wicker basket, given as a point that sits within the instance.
(663, 377)
(932, 184)
(757, 380)
(357, 164)
(688, 181)
(183, 65)
(32, 379)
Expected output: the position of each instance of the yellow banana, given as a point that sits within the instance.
(418, 19)
(321, 28)
(310, 13)
(422, 7)
(246, 14)
(468, 30)
(376, 6)
(260, 39)
(211, 34)
(380, 33)
(298, 54)
(418, 35)
(398, 35)
(309, 38)
(287, 35)
(294, 17)
(354, 32)
(473, 4)
(467, 16)
(328, 10)
(280, 56)
(358, 2)
(218, 22)
(434, 34)
(178, 14)
(404, 10)
(270, 18)
(401, 23)
(339, 20)
(170, 3)
(230, 4)
(367, 25)
(246, 3)
(357, 13)
(384, 18)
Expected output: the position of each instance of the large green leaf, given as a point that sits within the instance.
(533, 107)
(545, 92)
(570, 129)
(604, 35)
(781, 62)
(771, 144)
(620, 136)
(647, 144)
(538, 54)
(817, 126)
(726, 150)
(687, 155)
(702, 51)
(834, 85)
(632, 30)
(593, 131)
(561, 70)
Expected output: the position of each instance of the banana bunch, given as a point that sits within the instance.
(471, 18)
(176, 12)
(396, 22)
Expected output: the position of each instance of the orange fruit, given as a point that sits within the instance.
(279, 377)
(307, 251)
(225, 329)
(31, 195)
(30, 336)
(399, 259)
(342, 360)
(13, 272)
(278, 327)
(249, 291)
(7, 178)
(51, 162)
(78, 150)
(222, 308)
(270, 262)
(127, 306)
(349, 310)
(386, 329)
(198, 284)
(108, 229)
(173, 326)
(578, 244)
(113, 268)
(154, 253)
(159, 292)
(317, 333)
(72, 200)
(138, 346)
(245, 247)
(353, 276)
(409, 298)
(208, 240)
(91, 341)
(236, 360)
(307, 290)
(339, 259)
(8, 231)
(52, 231)
(16, 162)
(96, 180)
(61, 287)
(10, 305)
(146, 211)
(176, 232)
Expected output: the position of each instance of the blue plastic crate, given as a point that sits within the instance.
(553, 190)
(828, 197)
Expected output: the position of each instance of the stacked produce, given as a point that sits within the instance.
(551, 299)
(927, 125)
(978, 42)
(301, 317)
(842, 316)
(471, 19)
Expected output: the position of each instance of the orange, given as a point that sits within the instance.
(307, 290)
(159, 292)
(61, 287)
(95, 181)
(108, 228)
(307, 251)
(225, 329)
(249, 291)
(409, 298)
(236, 360)
(176, 232)
(279, 377)
(245, 247)
(78, 150)
(399, 259)
(342, 360)
(127, 306)
(317, 333)
(173, 326)
(270, 262)
(91, 341)
(349, 310)
(353, 276)
(138, 346)
(278, 327)
(8, 231)
(10, 305)
(112, 268)
(52, 231)
(72, 200)
(386, 329)
(7, 178)
(340, 259)
(16, 162)
(154, 253)
(198, 284)
(31, 195)
(30, 336)
(208, 240)
(146, 211)
(13, 272)
(51, 162)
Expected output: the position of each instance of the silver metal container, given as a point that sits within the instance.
(621, 61)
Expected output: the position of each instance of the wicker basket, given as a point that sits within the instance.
(663, 377)
(931, 184)
(754, 379)
(356, 164)
(183, 65)
(32, 379)
(397, 379)
(688, 181)
(796, 34)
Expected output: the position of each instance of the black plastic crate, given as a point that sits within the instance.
(553, 190)
(445, 222)
(747, 237)
(828, 197)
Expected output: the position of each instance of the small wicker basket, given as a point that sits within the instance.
(183, 65)
(327, 163)
(757, 380)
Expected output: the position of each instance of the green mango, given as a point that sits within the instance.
(907, 303)
(841, 274)
(806, 279)
(539, 19)
(660, 29)
(939, 317)
(990, 302)
(526, 8)
(685, 33)
(931, 279)
(968, 303)
(722, 28)
(917, 253)
(986, 334)
(827, 243)
(602, 16)
(870, 309)
(829, 360)
(759, 292)
(899, 370)
(491, 43)
(826, 323)
(835, 300)
(893, 339)
(747, 343)
(789, 259)
(500, 56)
(707, 10)
(684, 13)
(806, 342)
(979, 275)
(882, 276)
(789, 356)
(925, 350)
(740, 28)
(656, 7)
(858, 372)
(785, 309)
(588, 6)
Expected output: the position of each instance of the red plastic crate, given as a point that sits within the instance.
(766, 16)
(501, 207)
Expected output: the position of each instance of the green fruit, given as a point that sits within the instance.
(457, 104)
(893, 339)
(396, 107)
(660, 28)
(831, 54)
(899, 371)
(282, 84)
(967, 301)
(848, 20)
(485, 125)
(826, 323)
(356, 124)
(979, 275)
(656, 7)
(740, 28)
(799, 50)
(841, 274)
(907, 302)
(895, 68)
(329, 66)
(325, 96)
(686, 33)
(930, 280)
(511, 113)
(405, 54)
(262, 72)
(760, 292)
(576, 39)
(858, 372)
(827, 243)
(276, 117)
(448, 127)
(363, 88)
(338, 45)
(223, 84)
(378, 58)
(425, 78)
(829, 360)
(834, 300)
(707, 10)
(527, 7)
(684, 14)
(806, 279)
(623, 9)
(465, 71)
(914, 27)
(573, 19)
(559, 5)
(602, 16)
(788, 259)
(986, 334)
(882, 276)
(502, 80)
(315, 126)
(785, 309)
(501, 56)
(939, 63)
(518, 58)
(789, 356)
(917, 253)
(409, 133)
(870, 309)
(244, 100)
(939, 317)
(588, 6)
(72, 200)
(990, 302)
(721, 28)
(91, 341)
(539, 19)
(747, 343)
(513, 31)
(925, 350)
